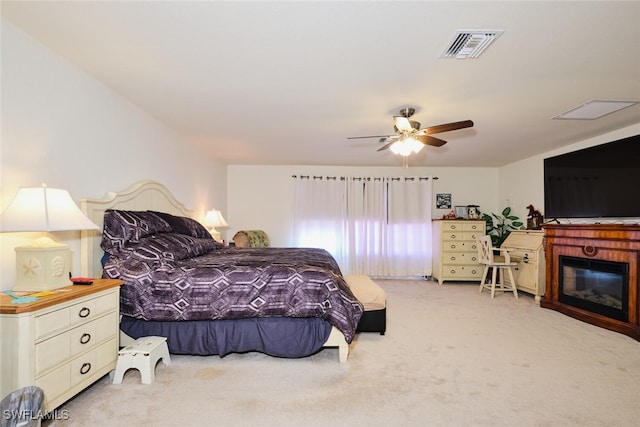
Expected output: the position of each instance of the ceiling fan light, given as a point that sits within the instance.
(415, 145)
(406, 146)
(401, 148)
(403, 124)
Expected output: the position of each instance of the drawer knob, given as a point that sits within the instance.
(85, 338)
(84, 312)
(86, 367)
(526, 258)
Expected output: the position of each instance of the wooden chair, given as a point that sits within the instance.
(499, 262)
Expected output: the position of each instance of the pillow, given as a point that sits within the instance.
(184, 225)
(121, 227)
(251, 238)
(171, 247)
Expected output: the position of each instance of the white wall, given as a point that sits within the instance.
(261, 197)
(522, 183)
(61, 126)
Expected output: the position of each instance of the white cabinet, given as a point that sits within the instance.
(61, 343)
(527, 249)
(455, 251)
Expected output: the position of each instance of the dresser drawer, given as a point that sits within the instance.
(460, 236)
(463, 226)
(84, 369)
(66, 345)
(459, 272)
(74, 314)
(459, 258)
(518, 255)
(93, 333)
(459, 246)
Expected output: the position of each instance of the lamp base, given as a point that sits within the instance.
(42, 268)
(217, 236)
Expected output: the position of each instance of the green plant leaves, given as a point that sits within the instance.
(500, 226)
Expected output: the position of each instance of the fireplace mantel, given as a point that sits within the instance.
(607, 242)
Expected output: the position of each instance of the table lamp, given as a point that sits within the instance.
(44, 264)
(213, 219)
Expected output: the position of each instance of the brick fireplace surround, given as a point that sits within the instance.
(608, 242)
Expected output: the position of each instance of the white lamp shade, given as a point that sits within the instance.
(214, 219)
(43, 209)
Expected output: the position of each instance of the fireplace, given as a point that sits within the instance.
(592, 274)
(594, 285)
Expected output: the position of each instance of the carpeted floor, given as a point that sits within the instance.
(451, 357)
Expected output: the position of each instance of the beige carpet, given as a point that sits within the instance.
(451, 357)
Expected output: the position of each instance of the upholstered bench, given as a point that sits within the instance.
(374, 300)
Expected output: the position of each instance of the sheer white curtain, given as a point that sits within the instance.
(389, 227)
(409, 226)
(366, 224)
(320, 207)
(375, 226)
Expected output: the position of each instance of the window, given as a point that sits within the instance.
(375, 226)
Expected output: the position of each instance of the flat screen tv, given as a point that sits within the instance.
(595, 182)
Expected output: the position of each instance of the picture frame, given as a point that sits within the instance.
(443, 201)
(461, 212)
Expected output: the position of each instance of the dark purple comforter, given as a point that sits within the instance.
(174, 277)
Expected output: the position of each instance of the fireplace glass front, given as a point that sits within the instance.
(598, 286)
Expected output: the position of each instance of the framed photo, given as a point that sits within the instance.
(443, 200)
(461, 212)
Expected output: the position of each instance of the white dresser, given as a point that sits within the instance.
(61, 343)
(455, 251)
(526, 247)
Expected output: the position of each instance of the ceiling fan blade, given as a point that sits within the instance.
(447, 127)
(370, 136)
(389, 141)
(430, 140)
(403, 123)
(387, 145)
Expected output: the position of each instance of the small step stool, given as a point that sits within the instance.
(142, 355)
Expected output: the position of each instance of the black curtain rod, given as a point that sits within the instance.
(342, 178)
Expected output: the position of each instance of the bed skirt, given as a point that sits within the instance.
(276, 336)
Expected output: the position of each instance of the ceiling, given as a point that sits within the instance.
(288, 82)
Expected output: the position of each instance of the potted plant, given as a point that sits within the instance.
(499, 226)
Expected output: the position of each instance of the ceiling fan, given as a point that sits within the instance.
(410, 138)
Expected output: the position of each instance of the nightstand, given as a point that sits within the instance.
(62, 342)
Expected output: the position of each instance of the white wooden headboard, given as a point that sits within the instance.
(144, 195)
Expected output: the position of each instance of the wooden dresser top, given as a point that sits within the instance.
(55, 296)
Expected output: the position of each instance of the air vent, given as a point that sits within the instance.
(470, 43)
(594, 109)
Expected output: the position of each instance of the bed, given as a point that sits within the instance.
(208, 299)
